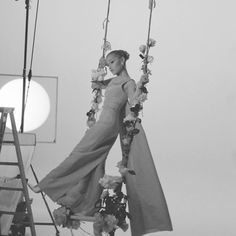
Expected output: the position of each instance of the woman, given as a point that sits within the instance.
(74, 183)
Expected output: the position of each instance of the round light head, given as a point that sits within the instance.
(37, 105)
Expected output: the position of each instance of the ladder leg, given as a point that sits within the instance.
(22, 174)
(2, 127)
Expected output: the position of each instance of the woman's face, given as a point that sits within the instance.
(115, 64)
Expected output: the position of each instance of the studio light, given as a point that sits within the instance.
(37, 103)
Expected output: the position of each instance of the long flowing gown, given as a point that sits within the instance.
(74, 183)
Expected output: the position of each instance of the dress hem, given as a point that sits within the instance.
(153, 230)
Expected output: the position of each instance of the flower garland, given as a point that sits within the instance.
(98, 84)
(111, 213)
(139, 98)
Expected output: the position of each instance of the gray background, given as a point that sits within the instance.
(190, 114)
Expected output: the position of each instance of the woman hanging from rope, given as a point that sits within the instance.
(74, 184)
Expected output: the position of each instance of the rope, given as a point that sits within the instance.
(32, 52)
(152, 4)
(106, 27)
(32, 55)
(99, 73)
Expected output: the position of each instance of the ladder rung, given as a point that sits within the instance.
(15, 213)
(8, 213)
(9, 163)
(8, 142)
(6, 109)
(11, 189)
(40, 223)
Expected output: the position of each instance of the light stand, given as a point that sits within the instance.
(25, 65)
(27, 7)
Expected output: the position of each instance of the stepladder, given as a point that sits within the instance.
(13, 190)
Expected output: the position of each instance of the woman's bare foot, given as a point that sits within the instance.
(35, 189)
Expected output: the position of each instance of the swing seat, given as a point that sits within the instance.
(78, 216)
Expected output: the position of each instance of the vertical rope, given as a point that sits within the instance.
(32, 56)
(99, 73)
(152, 4)
(106, 27)
(32, 51)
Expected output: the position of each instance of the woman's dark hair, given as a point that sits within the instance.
(120, 53)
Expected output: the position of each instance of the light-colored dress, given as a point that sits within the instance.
(74, 183)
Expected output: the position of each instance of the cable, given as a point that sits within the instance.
(32, 52)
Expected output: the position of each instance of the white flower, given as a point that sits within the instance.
(99, 98)
(125, 141)
(99, 74)
(102, 62)
(142, 98)
(95, 106)
(91, 122)
(130, 117)
(106, 46)
(110, 223)
(122, 169)
(104, 194)
(144, 79)
(110, 182)
(142, 49)
(94, 75)
(150, 59)
(152, 42)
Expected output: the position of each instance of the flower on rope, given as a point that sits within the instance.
(98, 74)
(143, 80)
(102, 62)
(99, 98)
(142, 97)
(111, 207)
(98, 225)
(106, 46)
(62, 218)
(106, 223)
(126, 140)
(142, 48)
(110, 223)
(136, 108)
(150, 59)
(95, 106)
(129, 117)
(110, 182)
(124, 170)
(104, 193)
(151, 42)
(91, 118)
(91, 122)
(75, 224)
